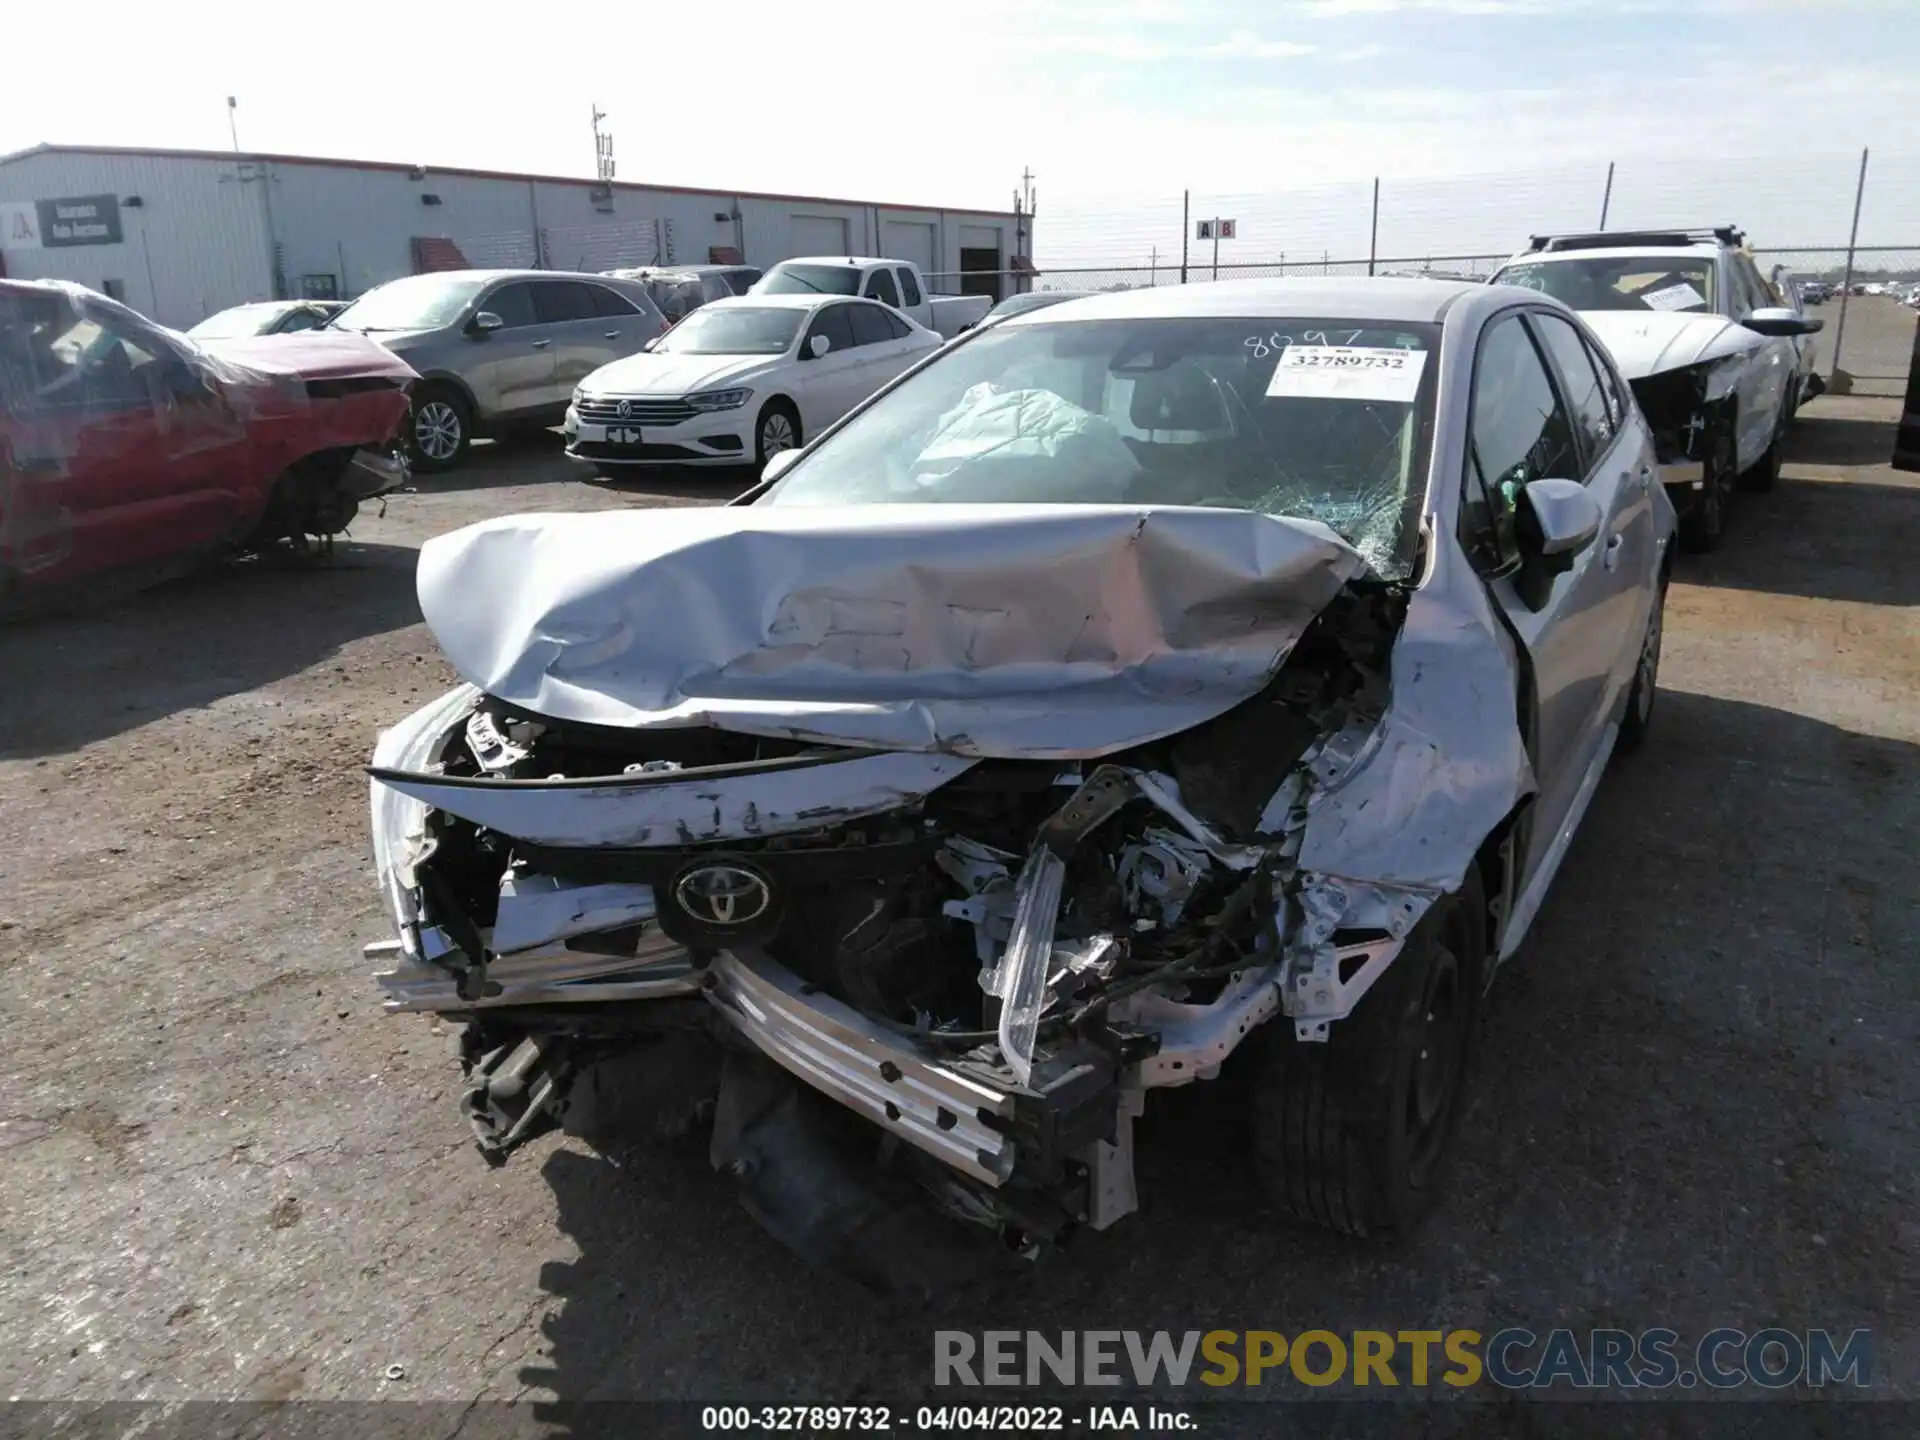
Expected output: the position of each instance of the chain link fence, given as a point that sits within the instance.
(1820, 216)
(1877, 346)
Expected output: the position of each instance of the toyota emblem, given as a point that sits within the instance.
(722, 895)
(625, 410)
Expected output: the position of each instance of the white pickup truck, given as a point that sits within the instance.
(893, 282)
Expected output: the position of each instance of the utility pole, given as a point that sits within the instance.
(1186, 229)
(1216, 248)
(233, 123)
(1846, 284)
(1153, 267)
(1023, 203)
(1373, 243)
(1606, 196)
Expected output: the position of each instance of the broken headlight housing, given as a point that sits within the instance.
(399, 821)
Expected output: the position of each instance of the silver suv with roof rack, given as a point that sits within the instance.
(1708, 344)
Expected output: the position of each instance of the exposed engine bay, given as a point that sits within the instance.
(973, 966)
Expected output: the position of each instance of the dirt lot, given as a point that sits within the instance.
(227, 1174)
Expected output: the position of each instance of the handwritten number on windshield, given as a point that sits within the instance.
(1265, 345)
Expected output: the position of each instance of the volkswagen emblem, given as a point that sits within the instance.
(624, 410)
(722, 895)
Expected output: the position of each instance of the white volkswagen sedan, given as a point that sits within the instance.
(741, 379)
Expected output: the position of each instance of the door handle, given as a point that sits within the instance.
(609, 334)
(541, 344)
(1610, 557)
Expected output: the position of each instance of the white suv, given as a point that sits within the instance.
(1708, 345)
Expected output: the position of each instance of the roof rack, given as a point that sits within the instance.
(1610, 239)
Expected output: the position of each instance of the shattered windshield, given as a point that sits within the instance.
(1315, 419)
(1620, 282)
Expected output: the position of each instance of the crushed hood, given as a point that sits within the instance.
(1058, 631)
(310, 355)
(1650, 342)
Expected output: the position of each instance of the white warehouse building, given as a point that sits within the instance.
(179, 234)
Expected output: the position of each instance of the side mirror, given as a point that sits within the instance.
(483, 322)
(1780, 321)
(1556, 521)
(646, 346)
(780, 462)
(818, 346)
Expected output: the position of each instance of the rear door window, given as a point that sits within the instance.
(558, 302)
(880, 287)
(909, 287)
(610, 304)
(869, 324)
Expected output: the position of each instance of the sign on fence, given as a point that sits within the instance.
(1215, 229)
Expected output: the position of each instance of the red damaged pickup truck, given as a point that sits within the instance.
(128, 447)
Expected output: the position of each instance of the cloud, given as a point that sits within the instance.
(1244, 44)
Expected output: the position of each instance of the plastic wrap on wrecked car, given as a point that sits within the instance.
(989, 630)
(92, 393)
(1447, 762)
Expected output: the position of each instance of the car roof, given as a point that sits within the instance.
(842, 260)
(1621, 252)
(1332, 297)
(491, 275)
(785, 302)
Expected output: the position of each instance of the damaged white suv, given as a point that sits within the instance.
(1141, 681)
(1712, 349)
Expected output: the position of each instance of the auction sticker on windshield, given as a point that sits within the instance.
(1679, 296)
(1348, 372)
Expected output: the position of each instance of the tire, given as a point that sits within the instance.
(1646, 677)
(777, 429)
(1352, 1133)
(1702, 527)
(1761, 476)
(439, 429)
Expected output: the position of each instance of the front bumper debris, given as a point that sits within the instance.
(884, 1077)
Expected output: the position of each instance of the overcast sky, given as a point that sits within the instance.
(904, 101)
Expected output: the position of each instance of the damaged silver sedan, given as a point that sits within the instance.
(1150, 683)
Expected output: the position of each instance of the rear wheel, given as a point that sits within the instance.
(1352, 1133)
(439, 429)
(1646, 677)
(777, 429)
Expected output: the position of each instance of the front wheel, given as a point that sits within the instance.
(1351, 1133)
(1765, 471)
(777, 429)
(1702, 526)
(439, 429)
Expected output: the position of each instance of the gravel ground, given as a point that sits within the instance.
(227, 1174)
